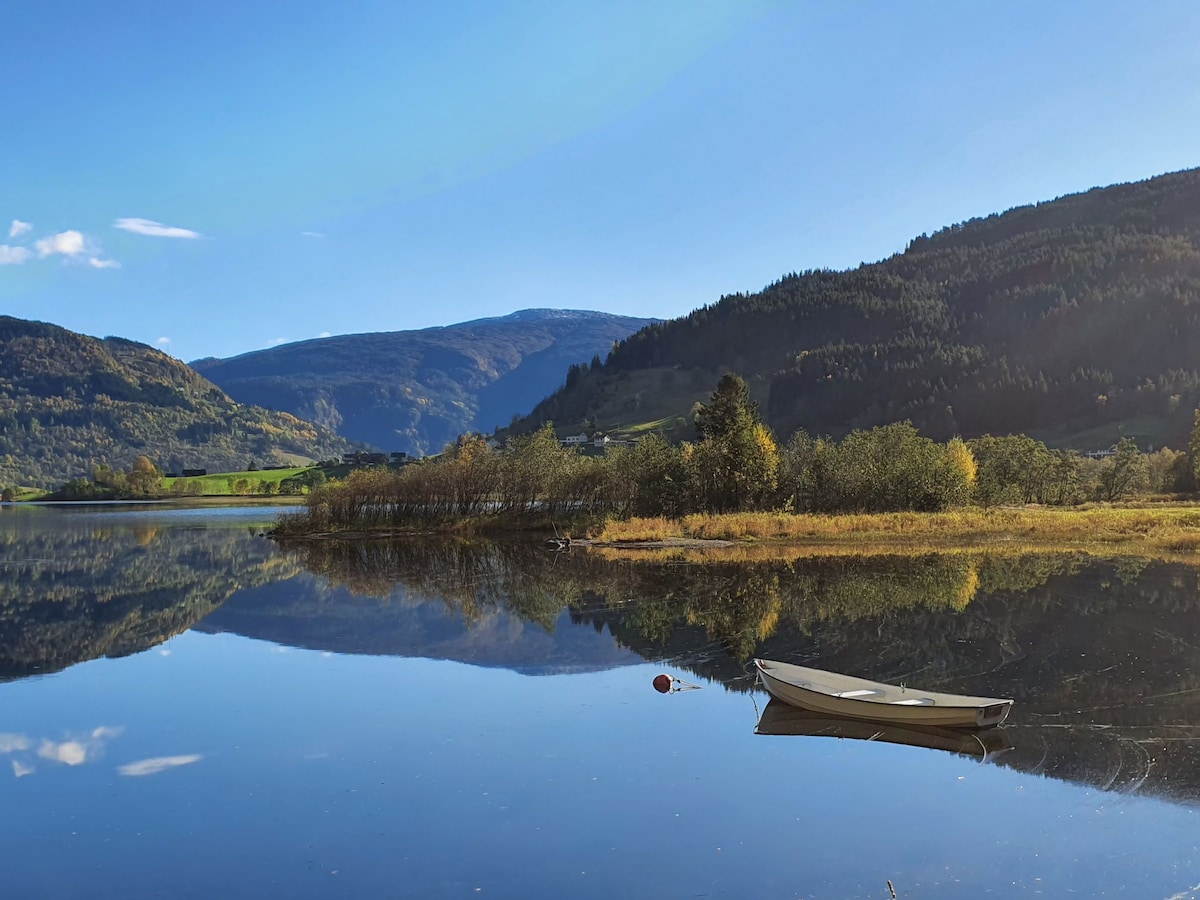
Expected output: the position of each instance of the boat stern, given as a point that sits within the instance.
(993, 714)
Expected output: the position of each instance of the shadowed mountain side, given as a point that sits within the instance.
(416, 391)
(1019, 322)
(109, 590)
(306, 612)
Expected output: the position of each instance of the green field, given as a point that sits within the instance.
(23, 494)
(225, 484)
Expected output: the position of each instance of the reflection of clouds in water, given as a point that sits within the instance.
(157, 764)
(11, 743)
(71, 752)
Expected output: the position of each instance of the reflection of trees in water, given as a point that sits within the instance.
(76, 591)
(1103, 657)
(1053, 631)
(736, 605)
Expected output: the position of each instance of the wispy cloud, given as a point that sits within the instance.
(325, 334)
(157, 764)
(13, 256)
(67, 243)
(19, 228)
(21, 770)
(275, 342)
(163, 341)
(97, 263)
(150, 228)
(313, 234)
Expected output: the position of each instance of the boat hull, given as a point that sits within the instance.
(856, 698)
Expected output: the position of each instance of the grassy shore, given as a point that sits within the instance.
(222, 484)
(1169, 530)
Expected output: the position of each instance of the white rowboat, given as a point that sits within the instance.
(858, 698)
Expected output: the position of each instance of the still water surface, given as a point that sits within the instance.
(187, 710)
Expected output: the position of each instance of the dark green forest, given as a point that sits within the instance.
(1076, 321)
(69, 402)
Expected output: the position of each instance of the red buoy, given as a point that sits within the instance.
(662, 684)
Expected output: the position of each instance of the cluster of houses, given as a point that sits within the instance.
(603, 441)
(361, 458)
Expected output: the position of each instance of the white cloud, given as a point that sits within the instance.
(275, 342)
(150, 228)
(72, 753)
(107, 732)
(163, 341)
(19, 228)
(13, 256)
(157, 764)
(11, 743)
(97, 263)
(21, 770)
(316, 234)
(325, 334)
(68, 243)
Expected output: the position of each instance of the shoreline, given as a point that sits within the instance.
(1172, 530)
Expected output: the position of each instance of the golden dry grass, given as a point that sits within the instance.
(1165, 531)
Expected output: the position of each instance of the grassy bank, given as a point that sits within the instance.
(1173, 530)
(226, 484)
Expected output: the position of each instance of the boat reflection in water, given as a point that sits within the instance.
(778, 718)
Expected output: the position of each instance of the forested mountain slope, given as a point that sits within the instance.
(69, 401)
(1075, 320)
(417, 390)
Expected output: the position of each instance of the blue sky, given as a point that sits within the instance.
(217, 177)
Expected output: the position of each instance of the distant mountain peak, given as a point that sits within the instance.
(417, 390)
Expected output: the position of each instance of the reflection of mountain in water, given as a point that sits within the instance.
(307, 612)
(74, 588)
(1103, 657)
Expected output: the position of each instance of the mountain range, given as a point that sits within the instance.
(415, 391)
(1075, 321)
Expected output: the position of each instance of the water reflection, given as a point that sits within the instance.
(780, 719)
(1102, 656)
(75, 587)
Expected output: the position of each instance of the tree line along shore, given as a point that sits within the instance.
(736, 481)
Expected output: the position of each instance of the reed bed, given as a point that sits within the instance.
(1172, 530)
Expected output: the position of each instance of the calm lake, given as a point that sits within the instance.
(189, 710)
